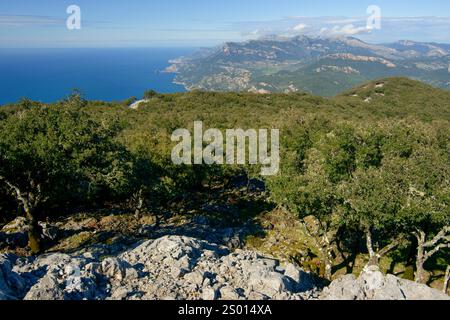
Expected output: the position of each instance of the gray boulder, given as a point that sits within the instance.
(113, 268)
(47, 289)
(344, 288)
(15, 233)
(209, 293)
(374, 285)
(302, 280)
(12, 285)
(269, 283)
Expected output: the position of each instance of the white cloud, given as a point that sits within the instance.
(299, 27)
(393, 28)
(253, 34)
(346, 30)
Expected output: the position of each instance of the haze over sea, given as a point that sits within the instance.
(108, 74)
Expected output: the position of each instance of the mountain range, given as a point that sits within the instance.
(321, 66)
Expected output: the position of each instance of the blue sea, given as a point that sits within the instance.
(49, 75)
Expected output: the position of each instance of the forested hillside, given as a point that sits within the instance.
(364, 175)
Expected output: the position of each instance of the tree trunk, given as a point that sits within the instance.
(427, 249)
(374, 260)
(446, 280)
(139, 204)
(325, 248)
(328, 269)
(29, 201)
(328, 258)
(327, 261)
(421, 274)
(34, 232)
(375, 256)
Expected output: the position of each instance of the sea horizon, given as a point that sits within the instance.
(108, 74)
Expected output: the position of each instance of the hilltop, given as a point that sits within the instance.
(372, 159)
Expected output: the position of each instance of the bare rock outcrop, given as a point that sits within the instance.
(171, 267)
(179, 268)
(374, 285)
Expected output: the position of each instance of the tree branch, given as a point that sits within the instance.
(443, 234)
(25, 200)
(16, 189)
(420, 235)
(389, 247)
(429, 254)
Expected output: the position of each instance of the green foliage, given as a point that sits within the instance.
(387, 177)
(61, 153)
(349, 163)
(150, 94)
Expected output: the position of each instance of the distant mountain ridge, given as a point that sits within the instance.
(321, 66)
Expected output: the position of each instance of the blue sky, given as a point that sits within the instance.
(144, 23)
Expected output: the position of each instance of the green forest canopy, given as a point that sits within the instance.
(373, 161)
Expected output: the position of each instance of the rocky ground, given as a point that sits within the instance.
(374, 285)
(196, 254)
(180, 267)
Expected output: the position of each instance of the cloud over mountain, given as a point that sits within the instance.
(392, 28)
(347, 30)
